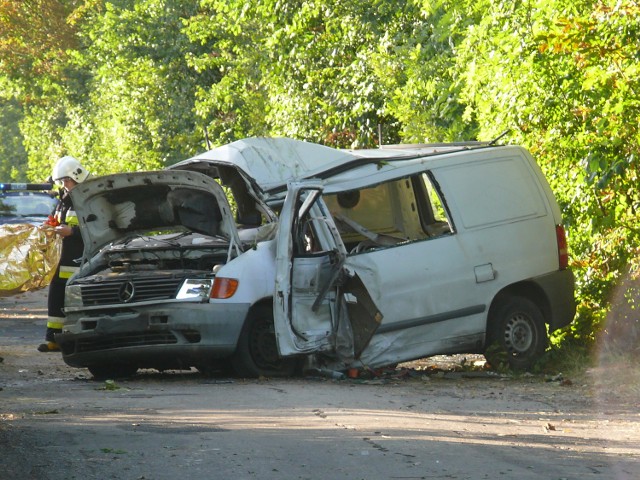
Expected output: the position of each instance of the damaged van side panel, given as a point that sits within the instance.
(433, 250)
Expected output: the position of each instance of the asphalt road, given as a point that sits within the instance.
(426, 420)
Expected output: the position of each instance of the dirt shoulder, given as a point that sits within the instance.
(436, 418)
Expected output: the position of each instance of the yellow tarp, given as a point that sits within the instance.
(29, 255)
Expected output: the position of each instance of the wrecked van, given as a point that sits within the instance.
(323, 259)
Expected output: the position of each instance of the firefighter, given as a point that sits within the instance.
(67, 172)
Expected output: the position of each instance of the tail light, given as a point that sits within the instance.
(563, 251)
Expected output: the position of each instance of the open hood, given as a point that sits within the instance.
(270, 163)
(123, 205)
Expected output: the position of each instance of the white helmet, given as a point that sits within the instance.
(69, 167)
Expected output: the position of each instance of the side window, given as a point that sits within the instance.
(305, 241)
(308, 225)
(388, 214)
(432, 211)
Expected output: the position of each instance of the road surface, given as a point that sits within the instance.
(431, 419)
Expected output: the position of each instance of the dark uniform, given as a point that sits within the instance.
(72, 247)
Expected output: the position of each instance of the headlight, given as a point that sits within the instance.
(193, 288)
(73, 296)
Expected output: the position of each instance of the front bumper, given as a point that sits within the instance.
(164, 336)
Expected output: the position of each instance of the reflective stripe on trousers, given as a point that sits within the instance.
(55, 322)
(67, 272)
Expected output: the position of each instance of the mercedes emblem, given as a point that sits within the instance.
(126, 292)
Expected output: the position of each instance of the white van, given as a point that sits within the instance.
(375, 257)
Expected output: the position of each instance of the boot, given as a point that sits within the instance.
(48, 347)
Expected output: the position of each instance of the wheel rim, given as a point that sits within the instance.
(519, 334)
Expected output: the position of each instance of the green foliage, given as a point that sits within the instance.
(415, 59)
(34, 38)
(13, 157)
(564, 78)
(301, 70)
(139, 110)
(232, 104)
(122, 96)
(323, 86)
(596, 49)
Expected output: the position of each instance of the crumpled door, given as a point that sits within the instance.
(319, 306)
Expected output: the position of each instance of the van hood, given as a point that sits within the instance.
(270, 163)
(114, 207)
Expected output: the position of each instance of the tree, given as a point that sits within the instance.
(232, 104)
(416, 60)
(300, 69)
(35, 37)
(322, 80)
(13, 157)
(563, 77)
(139, 111)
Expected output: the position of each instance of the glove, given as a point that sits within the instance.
(52, 221)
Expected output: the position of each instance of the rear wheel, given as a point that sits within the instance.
(517, 334)
(257, 352)
(110, 372)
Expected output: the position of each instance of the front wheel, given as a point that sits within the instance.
(516, 334)
(257, 351)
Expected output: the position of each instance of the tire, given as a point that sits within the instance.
(257, 352)
(110, 372)
(516, 334)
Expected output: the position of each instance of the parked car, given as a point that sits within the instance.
(25, 206)
(373, 257)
